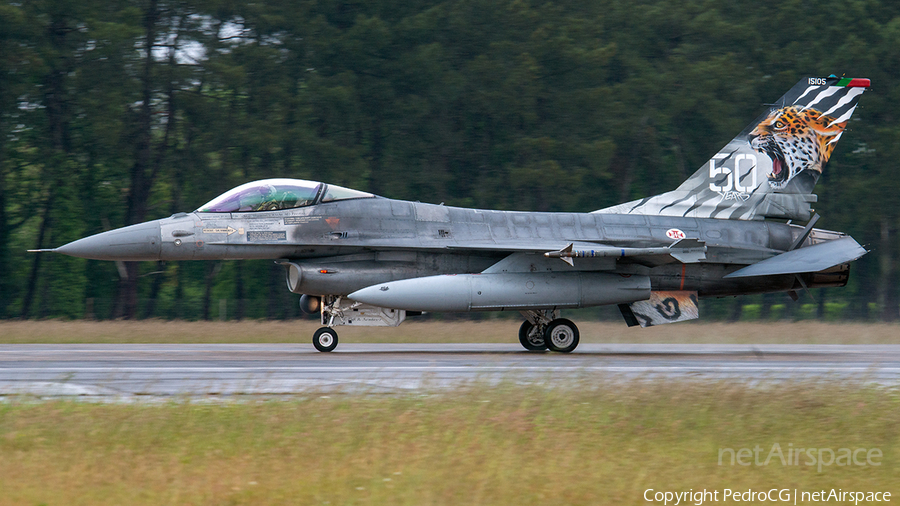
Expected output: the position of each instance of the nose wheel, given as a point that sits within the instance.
(325, 339)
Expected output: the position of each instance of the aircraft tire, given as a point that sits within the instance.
(530, 338)
(325, 339)
(561, 335)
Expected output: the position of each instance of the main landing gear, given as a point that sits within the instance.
(545, 330)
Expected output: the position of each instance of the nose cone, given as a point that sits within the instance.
(136, 242)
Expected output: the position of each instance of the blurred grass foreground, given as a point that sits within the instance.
(594, 441)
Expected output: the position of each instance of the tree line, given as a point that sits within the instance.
(121, 111)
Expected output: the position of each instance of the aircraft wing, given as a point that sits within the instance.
(809, 259)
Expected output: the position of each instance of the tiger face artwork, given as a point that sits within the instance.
(797, 140)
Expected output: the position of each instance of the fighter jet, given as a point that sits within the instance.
(742, 224)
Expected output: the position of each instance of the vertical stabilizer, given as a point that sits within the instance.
(768, 170)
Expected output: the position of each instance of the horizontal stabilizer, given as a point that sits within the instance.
(809, 259)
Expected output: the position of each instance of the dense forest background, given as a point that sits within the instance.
(118, 111)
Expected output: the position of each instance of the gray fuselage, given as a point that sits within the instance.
(343, 246)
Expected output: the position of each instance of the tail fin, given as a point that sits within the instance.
(768, 170)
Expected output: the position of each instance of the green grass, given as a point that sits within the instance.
(592, 442)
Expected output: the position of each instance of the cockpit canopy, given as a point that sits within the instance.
(275, 194)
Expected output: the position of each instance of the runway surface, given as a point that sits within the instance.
(130, 371)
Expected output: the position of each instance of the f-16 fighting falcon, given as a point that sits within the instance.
(360, 259)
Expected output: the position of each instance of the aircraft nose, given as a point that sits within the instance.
(135, 242)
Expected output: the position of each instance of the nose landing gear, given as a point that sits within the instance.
(325, 339)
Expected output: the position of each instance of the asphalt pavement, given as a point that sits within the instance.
(140, 371)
